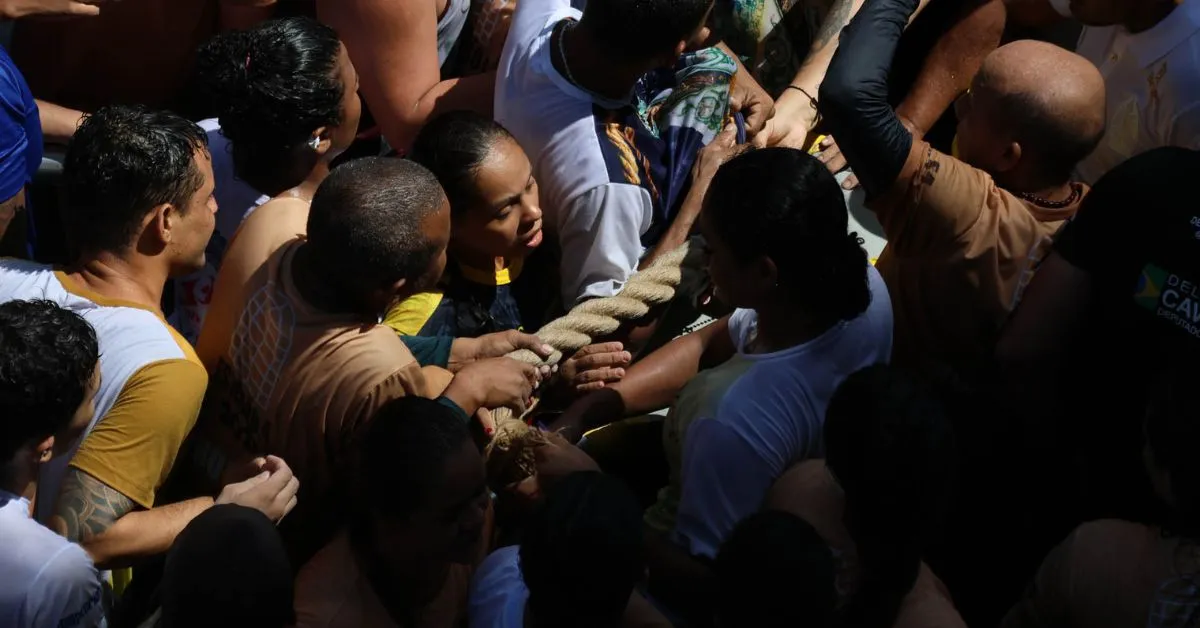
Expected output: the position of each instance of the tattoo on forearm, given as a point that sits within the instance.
(835, 20)
(87, 507)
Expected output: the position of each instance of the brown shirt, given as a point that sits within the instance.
(332, 592)
(286, 378)
(809, 492)
(1111, 574)
(960, 252)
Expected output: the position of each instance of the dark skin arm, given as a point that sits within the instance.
(946, 74)
(114, 530)
(650, 384)
(394, 47)
(953, 62)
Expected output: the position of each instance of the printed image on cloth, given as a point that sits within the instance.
(771, 37)
(241, 392)
(654, 143)
(1171, 297)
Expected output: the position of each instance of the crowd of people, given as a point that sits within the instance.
(275, 270)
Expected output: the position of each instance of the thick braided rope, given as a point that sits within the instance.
(510, 454)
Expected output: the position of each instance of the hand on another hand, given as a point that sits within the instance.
(496, 383)
(467, 350)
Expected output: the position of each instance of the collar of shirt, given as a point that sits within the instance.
(494, 277)
(542, 63)
(1155, 43)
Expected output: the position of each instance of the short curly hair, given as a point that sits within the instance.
(122, 162)
(47, 359)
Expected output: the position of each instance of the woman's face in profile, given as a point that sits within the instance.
(724, 270)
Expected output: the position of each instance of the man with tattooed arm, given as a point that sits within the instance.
(139, 188)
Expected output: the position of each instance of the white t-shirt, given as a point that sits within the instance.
(1152, 79)
(142, 363)
(498, 593)
(235, 200)
(770, 419)
(47, 581)
(596, 215)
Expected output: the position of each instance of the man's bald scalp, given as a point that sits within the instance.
(1050, 99)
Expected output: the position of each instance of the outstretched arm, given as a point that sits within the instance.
(854, 96)
(796, 107)
(394, 48)
(953, 62)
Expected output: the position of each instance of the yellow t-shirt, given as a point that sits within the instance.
(151, 388)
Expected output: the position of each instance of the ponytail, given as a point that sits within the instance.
(271, 87)
(784, 204)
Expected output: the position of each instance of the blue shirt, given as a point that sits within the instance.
(20, 131)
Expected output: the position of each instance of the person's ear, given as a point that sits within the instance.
(766, 275)
(44, 449)
(386, 297)
(321, 141)
(1009, 158)
(162, 223)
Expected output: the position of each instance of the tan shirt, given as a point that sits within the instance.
(809, 492)
(332, 592)
(286, 378)
(1110, 574)
(960, 252)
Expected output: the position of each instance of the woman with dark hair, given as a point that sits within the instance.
(286, 97)
(811, 310)
(496, 223)
(1121, 574)
(879, 499)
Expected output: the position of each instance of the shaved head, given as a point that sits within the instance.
(1048, 100)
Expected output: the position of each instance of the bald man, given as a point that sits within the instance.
(964, 234)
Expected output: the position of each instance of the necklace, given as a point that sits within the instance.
(562, 50)
(1076, 192)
